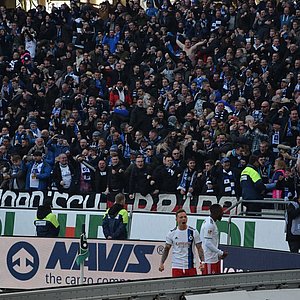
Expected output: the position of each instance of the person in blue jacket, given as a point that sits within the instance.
(46, 222)
(115, 220)
(38, 173)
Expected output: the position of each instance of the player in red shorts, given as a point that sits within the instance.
(184, 239)
(210, 241)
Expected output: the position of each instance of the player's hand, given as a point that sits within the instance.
(201, 266)
(225, 253)
(161, 267)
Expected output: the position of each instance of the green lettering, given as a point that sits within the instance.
(199, 224)
(235, 235)
(62, 220)
(95, 222)
(249, 234)
(80, 219)
(9, 223)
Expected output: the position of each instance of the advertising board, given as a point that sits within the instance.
(247, 232)
(28, 263)
(40, 262)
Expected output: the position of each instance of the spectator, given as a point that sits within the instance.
(101, 176)
(65, 175)
(226, 180)
(115, 177)
(166, 176)
(139, 178)
(38, 173)
(187, 179)
(218, 77)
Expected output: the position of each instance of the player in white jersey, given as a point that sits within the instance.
(209, 235)
(184, 239)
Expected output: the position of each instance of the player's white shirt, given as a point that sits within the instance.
(209, 235)
(183, 247)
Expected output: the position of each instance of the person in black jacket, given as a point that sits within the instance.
(115, 178)
(139, 178)
(293, 225)
(46, 222)
(65, 175)
(101, 177)
(166, 176)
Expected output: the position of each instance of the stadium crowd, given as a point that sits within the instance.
(170, 98)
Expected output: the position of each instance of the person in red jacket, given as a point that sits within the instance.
(119, 93)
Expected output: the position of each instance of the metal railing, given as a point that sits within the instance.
(251, 214)
(170, 288)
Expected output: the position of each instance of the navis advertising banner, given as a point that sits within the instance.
(38, 262)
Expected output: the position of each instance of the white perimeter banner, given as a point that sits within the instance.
(27, 263)
(154, 226)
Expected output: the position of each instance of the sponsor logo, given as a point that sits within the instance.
(128, 258)
(22, 261)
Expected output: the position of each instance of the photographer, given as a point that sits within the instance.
(293, 225)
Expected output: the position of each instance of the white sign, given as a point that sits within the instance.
(44, 262)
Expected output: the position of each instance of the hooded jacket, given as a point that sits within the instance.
(46, 222)
(115, 222)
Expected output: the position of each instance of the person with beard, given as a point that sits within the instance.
(115, 220)
(46, 222)
(188, 178)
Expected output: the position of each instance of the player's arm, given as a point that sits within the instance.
(164, 257)
(200, 251)
(201, 255)
(208, 235)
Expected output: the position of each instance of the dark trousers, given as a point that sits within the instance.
(294, 246)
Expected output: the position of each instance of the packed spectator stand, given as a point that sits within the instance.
(170, 98)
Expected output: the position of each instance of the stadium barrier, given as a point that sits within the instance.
(29, 263)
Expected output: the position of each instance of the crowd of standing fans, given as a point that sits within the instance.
(159, 98)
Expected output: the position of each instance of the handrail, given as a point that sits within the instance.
(168, 288)
(265, 201)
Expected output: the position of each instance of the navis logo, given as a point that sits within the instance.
(22, 261)
(119, 258)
